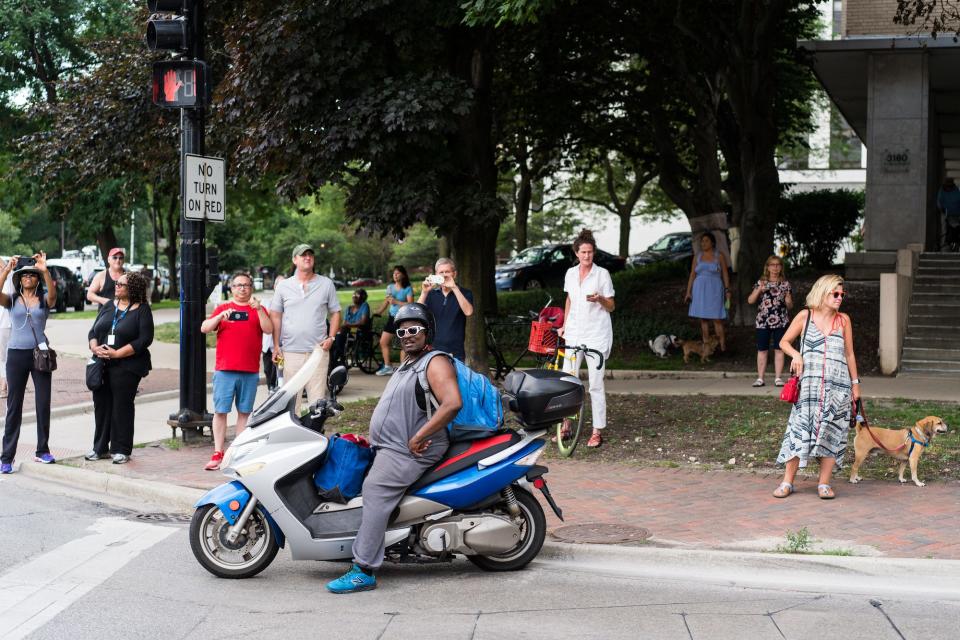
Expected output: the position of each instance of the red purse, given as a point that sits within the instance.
(791, 391)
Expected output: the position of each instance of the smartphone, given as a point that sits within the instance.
(238, 316)
(435, 280)
(26, 262)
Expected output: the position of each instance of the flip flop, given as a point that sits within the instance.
(784, 490)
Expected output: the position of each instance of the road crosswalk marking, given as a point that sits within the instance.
(33, 593)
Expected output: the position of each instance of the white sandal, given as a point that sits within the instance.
(758, 382)
(778, 382)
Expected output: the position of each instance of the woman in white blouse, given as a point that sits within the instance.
(587, 322)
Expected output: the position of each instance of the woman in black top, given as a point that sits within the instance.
(120, 336)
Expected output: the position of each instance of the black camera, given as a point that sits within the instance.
(239, 315)
(26, 262)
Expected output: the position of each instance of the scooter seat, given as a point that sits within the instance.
(462, 455)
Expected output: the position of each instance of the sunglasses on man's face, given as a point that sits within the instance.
(410, 331)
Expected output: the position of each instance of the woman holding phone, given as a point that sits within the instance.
(587, 321)
(399, 293)
(120, 336)
(30, 303)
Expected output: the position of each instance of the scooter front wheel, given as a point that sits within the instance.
(251, 553)
(533, 531)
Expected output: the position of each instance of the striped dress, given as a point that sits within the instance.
(820, 419)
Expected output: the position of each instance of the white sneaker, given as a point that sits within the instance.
(384, 371)
(758, 382)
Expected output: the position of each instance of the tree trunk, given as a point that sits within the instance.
(522, 208)
(473, 240)
(624, 232)
(106, 240)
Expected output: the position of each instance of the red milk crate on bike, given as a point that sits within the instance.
(543, 338)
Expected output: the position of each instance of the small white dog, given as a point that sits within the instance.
(662, 344)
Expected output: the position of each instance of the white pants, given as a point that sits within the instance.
(317, 385)
(4, 340)
(598, 397)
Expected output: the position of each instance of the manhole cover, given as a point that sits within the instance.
(600, 533)
(177, 518)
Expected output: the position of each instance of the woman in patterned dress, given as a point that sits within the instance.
(775, 296)
(829, 386)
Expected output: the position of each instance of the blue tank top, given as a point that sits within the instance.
(21, 337)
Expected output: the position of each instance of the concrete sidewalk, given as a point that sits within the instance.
(681, 508)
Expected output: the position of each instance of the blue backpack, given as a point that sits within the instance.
(482, 412)
(341, 476)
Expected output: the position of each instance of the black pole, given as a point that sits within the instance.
(193, 416)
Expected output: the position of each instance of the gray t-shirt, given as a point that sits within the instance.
(304, 312)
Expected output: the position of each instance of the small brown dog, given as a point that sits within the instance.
(906, 445)
(702, 349)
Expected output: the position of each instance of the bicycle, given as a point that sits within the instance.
(542, 343)
(568, 429)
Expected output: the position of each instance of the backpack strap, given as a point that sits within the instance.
(420, 368)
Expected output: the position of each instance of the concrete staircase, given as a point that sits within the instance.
(931, 344)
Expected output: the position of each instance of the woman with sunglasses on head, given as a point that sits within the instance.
(829, 386)
(120, 336)
(29, 307)
(773, 296)
(102, 287)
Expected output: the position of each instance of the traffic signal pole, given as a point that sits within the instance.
(180, 84)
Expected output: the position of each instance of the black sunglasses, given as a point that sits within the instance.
(838, 294)
(410, 331)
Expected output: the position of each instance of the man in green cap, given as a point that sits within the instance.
(300, 308)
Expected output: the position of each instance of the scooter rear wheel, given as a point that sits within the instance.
(253, 551)
(532, 534)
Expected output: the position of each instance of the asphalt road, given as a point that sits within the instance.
(71, 568)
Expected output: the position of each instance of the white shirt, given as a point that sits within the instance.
(588, 322)
(4, 312)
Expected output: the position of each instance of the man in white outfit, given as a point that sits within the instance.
(590, 300)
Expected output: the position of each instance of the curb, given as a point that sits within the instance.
(670, 374)
(169, 497)
(87, 407)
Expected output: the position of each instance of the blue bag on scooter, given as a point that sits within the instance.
(341, 477)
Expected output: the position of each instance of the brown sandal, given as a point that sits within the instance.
(784, 490)
(595, 440)
(825, 492)
(566, 432)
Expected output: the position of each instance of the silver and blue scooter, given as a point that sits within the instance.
(478, 501)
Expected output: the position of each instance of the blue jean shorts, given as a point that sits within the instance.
(764, 336)
(228, 385)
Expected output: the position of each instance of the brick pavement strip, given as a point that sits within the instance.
(691, 508)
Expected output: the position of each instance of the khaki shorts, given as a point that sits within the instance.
(317, 385)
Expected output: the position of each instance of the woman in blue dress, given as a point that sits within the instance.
(708, 289)
(399, 293)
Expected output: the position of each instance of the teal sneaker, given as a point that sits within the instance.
(353, 580)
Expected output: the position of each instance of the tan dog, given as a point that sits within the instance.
(702, 349)
(898, 443)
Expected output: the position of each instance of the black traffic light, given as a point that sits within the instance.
(172, 33)
(177, 26)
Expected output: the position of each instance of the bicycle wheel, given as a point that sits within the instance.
(368, 356)
(568, 432)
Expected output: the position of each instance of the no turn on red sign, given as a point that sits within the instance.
(203, 188)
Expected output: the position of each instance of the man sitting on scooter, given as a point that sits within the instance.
(406, 442)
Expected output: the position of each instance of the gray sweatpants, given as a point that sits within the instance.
(386, 482)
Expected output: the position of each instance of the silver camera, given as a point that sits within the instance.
(434, 280)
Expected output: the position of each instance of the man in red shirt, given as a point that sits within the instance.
(240, 325)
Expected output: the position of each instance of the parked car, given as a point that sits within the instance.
(366, 282)
(538, 267)
(70, 290)
(673, 247)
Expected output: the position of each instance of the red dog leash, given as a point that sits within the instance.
(862, 418)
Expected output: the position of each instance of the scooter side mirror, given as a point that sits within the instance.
(337, 380)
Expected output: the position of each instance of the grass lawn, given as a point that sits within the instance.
(705, 432)
(92, 313)
(170, 332)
